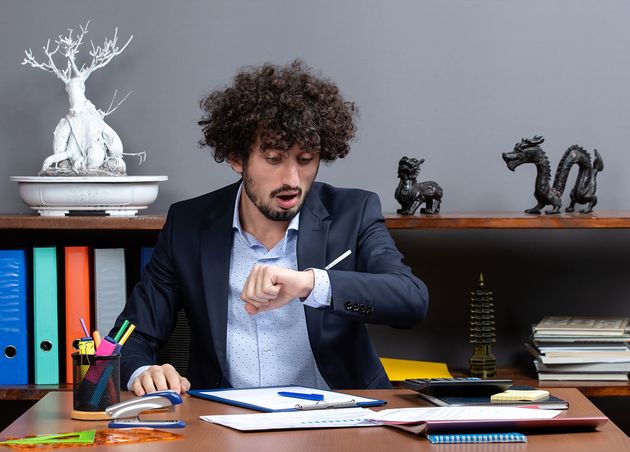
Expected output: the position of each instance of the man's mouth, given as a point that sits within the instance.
(288, 200)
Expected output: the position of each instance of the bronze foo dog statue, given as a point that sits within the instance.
(410, 194)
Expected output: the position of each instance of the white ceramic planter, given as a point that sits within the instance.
(118, 196)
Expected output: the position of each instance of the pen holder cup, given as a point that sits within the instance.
(96, 385)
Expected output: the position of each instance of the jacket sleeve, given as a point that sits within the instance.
(380, 288)
(152, 307)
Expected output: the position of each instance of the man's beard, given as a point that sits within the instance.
(266, 209)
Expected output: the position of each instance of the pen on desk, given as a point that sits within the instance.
(302, 395)
(339, 259)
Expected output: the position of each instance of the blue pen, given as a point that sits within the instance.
(302, 395)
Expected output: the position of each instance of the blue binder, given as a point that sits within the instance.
(45, 320)
(13, 318)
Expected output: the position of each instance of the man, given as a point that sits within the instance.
(246, 262)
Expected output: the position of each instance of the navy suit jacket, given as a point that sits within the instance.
(190, 269)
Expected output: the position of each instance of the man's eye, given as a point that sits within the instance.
(305, 160)
(274, 159)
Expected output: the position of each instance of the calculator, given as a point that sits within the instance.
(461, 386)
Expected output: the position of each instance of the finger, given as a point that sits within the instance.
(159, 380)
(172, 378)
(271, 290)
(251, 293)
(184, 384)
(146, 380)
(137, 388)
(251, 309)
(260, 280)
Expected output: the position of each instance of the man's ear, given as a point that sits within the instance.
(236, 165)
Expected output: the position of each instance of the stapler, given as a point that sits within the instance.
(126, 414)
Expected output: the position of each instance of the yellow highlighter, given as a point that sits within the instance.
(127, 334)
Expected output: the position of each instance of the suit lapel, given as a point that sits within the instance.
(216, 248)
(311, 253)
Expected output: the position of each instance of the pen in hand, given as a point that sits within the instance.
(302, 395)
(339, 259)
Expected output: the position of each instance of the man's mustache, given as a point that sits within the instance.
(285, 188)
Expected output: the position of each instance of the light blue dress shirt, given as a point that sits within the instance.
(270, 348)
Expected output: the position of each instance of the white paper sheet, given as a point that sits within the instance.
(346, 417)
(468, 413)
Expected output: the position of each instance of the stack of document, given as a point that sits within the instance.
(416, 420)
(581, 348)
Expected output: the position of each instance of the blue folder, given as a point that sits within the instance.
(45, 316)
(13, 318)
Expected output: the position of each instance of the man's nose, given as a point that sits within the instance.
(291, 174)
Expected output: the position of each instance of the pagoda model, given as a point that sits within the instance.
(482, 333)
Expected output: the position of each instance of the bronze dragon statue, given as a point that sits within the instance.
(410, 194)
(529, 151)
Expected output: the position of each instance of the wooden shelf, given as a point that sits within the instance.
(30, 392)
(588, 388)
(136, 223)
(605, 219)
(518, 377)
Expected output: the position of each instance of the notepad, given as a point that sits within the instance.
(520, 395)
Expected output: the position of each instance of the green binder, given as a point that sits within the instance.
(45, 325)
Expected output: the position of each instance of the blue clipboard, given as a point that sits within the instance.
(268, 399)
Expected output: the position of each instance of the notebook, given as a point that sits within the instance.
(463, 438)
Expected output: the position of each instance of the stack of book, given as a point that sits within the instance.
(581, 348)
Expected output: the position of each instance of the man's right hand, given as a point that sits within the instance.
(159, 378)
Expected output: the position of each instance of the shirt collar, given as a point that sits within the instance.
(294, 224)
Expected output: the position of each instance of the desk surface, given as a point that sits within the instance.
(51, 415)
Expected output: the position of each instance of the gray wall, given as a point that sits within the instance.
(455, 82)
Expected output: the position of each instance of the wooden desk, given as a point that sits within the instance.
(51, 415)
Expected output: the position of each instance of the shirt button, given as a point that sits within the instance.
(266, 348)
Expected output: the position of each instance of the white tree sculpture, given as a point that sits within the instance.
(83, 143)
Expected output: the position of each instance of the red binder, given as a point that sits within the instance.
(77, 299)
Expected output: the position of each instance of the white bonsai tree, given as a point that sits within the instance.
(83, 143)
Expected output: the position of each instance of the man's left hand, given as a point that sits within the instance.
(268, 287)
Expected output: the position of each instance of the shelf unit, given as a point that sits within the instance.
(26, 230)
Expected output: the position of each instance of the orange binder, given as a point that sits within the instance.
(77, 299)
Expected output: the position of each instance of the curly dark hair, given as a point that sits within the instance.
(281, 105)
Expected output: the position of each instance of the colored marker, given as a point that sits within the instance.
(127, 334)
(121, 330)
(85, 330)
(97, 338)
